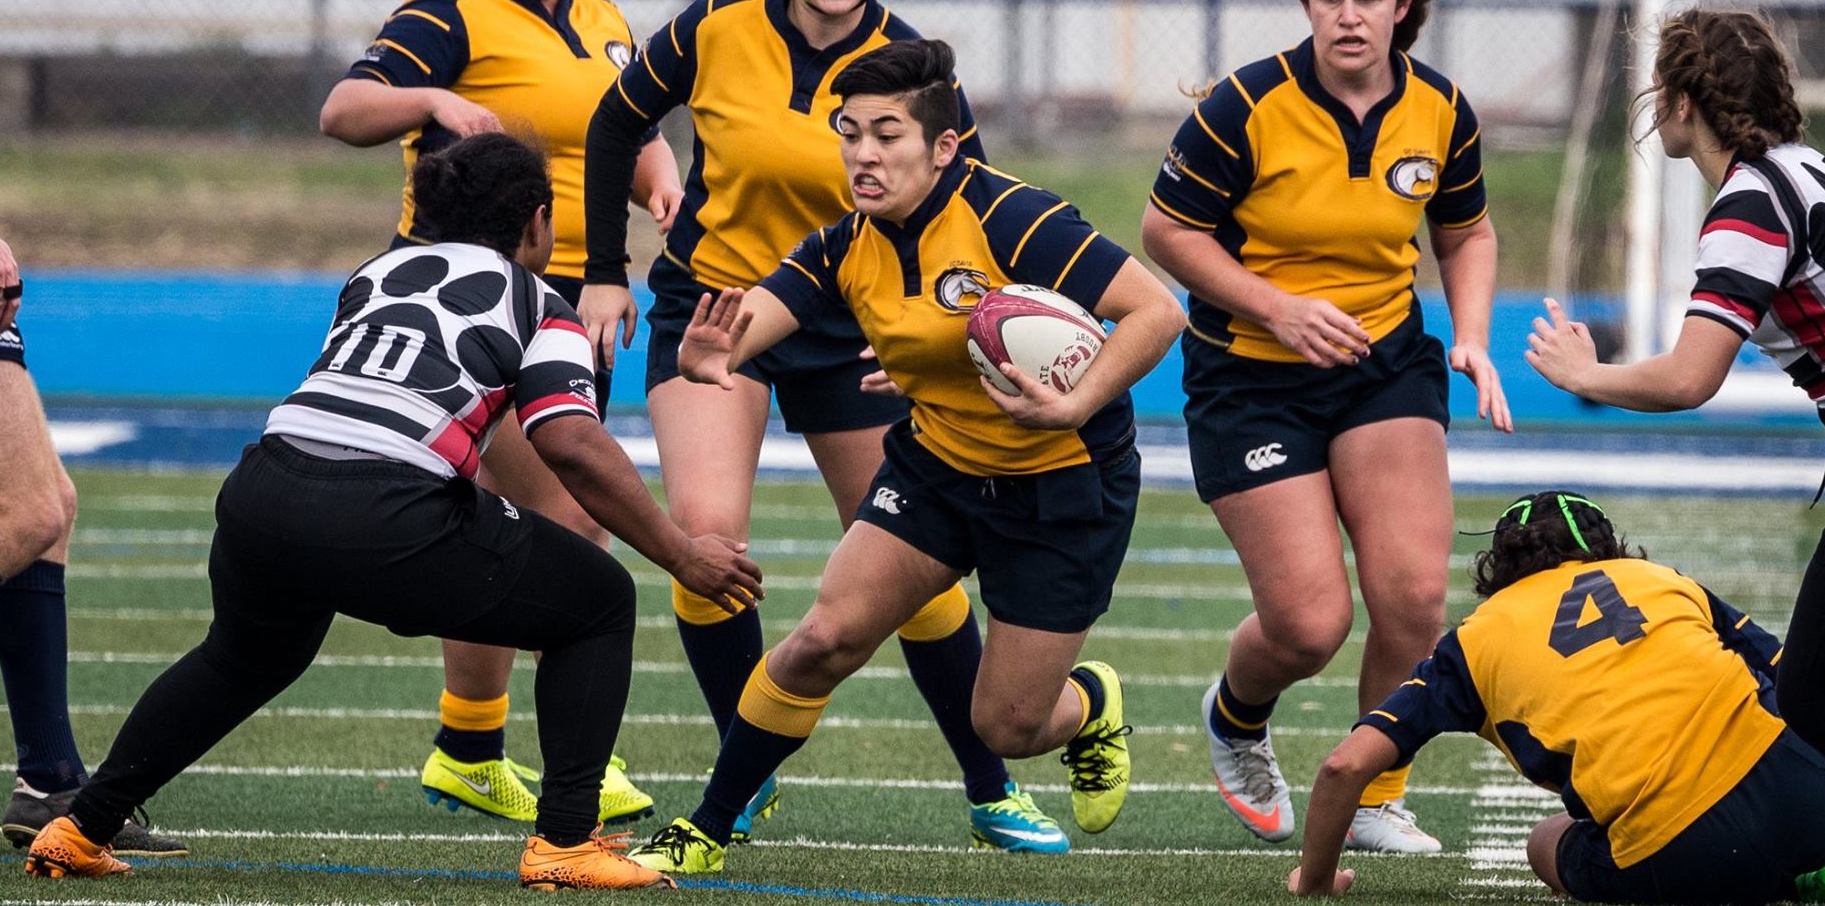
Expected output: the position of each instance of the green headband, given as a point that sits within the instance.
(1526, 506)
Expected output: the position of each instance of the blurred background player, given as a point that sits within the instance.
(1724, 98)
(439, 71)
(755, 77)
(1287, 205)
(37, 515)
(1037, 491)
(1630, 690)
(359, 500)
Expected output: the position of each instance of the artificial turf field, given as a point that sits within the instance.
(317, 799)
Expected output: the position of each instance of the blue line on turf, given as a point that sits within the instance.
(476, 874)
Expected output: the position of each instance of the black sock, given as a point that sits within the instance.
(945, 672)
(34, 643)
(470, 746)
(749, 756)
(1800, 684)
(1232, 718)
(721, 656)
(1092, 687)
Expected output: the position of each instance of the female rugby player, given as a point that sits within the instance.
(1288, 204)
(755, 77)
(438, 71)
(359, 500)
(1036, 490)
(1653, 721)
(1723, 98)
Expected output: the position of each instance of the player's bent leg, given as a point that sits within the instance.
(1800, 689)
(36, 500)
(1285, 533)
(1394, 495)
(1543, 850)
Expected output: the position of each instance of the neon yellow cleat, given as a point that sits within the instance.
(490, 787)
(680, 848)
(621, 801)
(1098, 757)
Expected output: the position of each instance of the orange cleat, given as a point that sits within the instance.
(62, 850)
(595, 864)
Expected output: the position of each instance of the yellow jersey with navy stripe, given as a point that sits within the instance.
(911, 288)
(767, 167)
(1315, 202)
(1627, 688)
(540, 74)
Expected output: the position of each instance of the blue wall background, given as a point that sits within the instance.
(197, 336)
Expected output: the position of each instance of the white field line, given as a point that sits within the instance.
(222, 902)
(1498, 847)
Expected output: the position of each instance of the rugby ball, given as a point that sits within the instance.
(1049, 337)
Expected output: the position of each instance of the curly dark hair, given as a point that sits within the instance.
(483, 189)
(1540, 531)
(1737, 74)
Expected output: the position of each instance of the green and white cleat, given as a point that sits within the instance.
(1098, 757)
(764, 804)
(490, 787)
(680, 848)
(1017, 825)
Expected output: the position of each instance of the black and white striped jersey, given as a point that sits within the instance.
(430, 344)
(1761, 261)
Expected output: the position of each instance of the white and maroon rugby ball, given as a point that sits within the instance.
(1047, 336)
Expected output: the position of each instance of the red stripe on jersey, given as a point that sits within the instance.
(1727, 304)
(561, 324)
(1760, 234)
(1804, 317)
(531, 410)
(456, 446)
(478, 418)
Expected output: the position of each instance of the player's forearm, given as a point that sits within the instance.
(1138, 343)
(1467, 265)
(599, 475)
(1655, 384)
(772, 322)
(611, 155)
(1336, 792)
(364, 113)
(1204, 267)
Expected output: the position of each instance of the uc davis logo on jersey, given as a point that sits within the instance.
(1414, 178)
(960, 288)
(619, 53)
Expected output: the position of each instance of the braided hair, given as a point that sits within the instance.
(1739, 77)
(1540, 531)
(482, 190)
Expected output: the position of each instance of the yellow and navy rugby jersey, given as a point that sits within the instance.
(540, 74)
(1307, 198)
(1622, 685)
(912, 287)
(767, 166)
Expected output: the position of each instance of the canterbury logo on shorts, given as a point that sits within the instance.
(887, 499)
(1263, 458)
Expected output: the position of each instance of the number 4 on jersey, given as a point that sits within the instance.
(1616, 619)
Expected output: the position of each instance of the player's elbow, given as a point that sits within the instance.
(1693, 390)
(564, 445)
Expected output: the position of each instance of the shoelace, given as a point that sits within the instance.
(1089, 766)
(1260, 771)
(673, 840)
(1021, 804)
(1400, 817)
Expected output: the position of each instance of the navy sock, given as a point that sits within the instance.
(1092, 687)
(945, 672)
(749, 756)
(721, 656)
(1232, 718)
(470, 746)
(34, 656)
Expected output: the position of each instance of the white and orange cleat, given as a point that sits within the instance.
(1249, 780)
(594, 864)
(61, 850)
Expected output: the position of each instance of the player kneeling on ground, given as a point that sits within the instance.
(360, 500)
(1631, 691)
(1037, 490)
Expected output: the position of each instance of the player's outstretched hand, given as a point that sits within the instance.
(716, 330)
(1319, 331)
(1340, 883)
(461, 115)
(714, 567)
(663, 204)
(10, 287)
(1561, 349)
(1491, 403)
(877, 382)
(604, 307)
(1037, 405)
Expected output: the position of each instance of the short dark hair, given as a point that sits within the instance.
(916, 72)
(1540, 531)
(1406, 31)
(483, 189)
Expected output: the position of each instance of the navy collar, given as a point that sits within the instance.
(809, 65)
(1358, 137)
(559, 20)
(905, 237)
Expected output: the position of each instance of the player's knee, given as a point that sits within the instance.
(821, 653)
(1409, 604)
(36, 521)
(708, 518)
(1011, 732)
(66, 494)
(1543, 850)
(1306, 646)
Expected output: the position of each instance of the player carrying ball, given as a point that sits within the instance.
(1038, 491)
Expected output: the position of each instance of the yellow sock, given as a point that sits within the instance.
(939, 618)
(1083, 700)
(470, 715)
(696, 609)
(765, 705)
(1386, 788)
